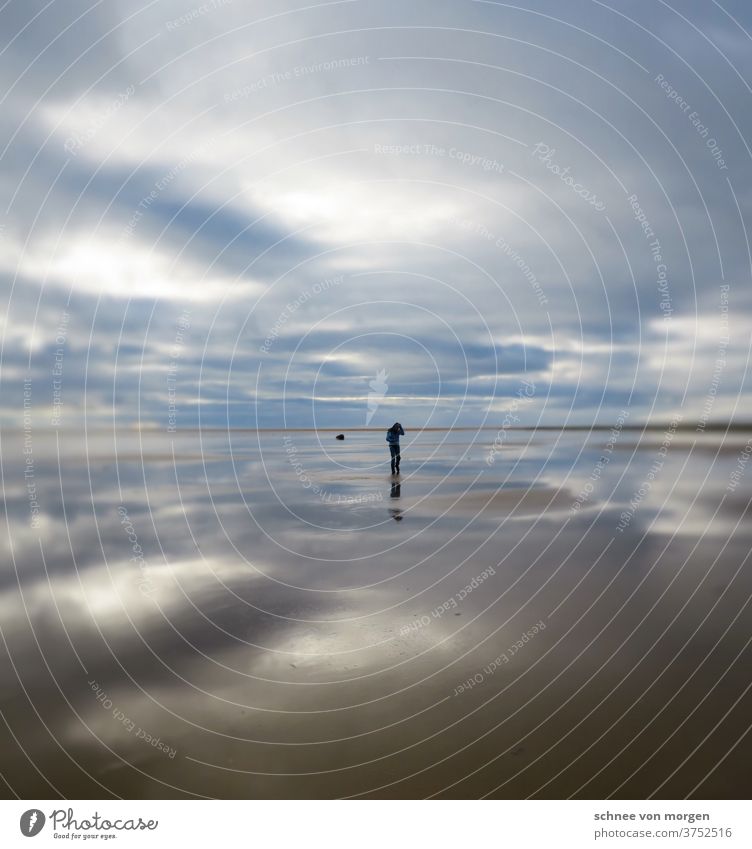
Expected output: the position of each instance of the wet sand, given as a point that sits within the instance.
(273, 615)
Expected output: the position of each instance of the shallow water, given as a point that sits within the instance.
(271, 614)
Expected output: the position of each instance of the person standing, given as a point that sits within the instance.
(392, 438)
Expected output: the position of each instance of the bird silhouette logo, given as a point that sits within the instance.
(32, 822)
(379, 389)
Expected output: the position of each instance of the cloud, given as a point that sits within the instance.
(438, 165)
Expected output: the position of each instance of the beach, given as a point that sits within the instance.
(271, 614)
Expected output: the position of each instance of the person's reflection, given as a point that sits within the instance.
(396, 492)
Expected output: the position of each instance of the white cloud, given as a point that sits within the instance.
(126, 269)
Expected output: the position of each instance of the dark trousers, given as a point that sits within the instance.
(395, 452)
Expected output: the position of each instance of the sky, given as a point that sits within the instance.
(339, 214)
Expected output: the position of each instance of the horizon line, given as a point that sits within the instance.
(153, 428)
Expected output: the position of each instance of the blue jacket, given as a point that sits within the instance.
(392, 437)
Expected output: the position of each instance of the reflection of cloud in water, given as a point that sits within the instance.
(240, 639)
